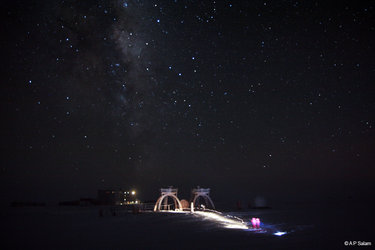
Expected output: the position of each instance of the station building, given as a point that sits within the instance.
(117, 197)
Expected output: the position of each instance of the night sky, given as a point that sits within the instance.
(272, 98)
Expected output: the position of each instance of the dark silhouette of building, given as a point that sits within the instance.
(117, 197)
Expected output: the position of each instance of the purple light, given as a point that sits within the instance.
(279, 233)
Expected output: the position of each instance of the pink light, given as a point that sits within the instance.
(257, 222)
(254, 222)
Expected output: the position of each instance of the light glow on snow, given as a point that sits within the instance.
(225, 221)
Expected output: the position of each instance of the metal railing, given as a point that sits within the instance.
(201, 190)
(168, 190)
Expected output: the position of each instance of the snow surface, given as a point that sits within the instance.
(82, 228)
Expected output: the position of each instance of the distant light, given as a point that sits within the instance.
(158, 20)
(133, 192)
(279, 233)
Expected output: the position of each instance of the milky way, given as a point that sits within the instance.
(116, 94)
